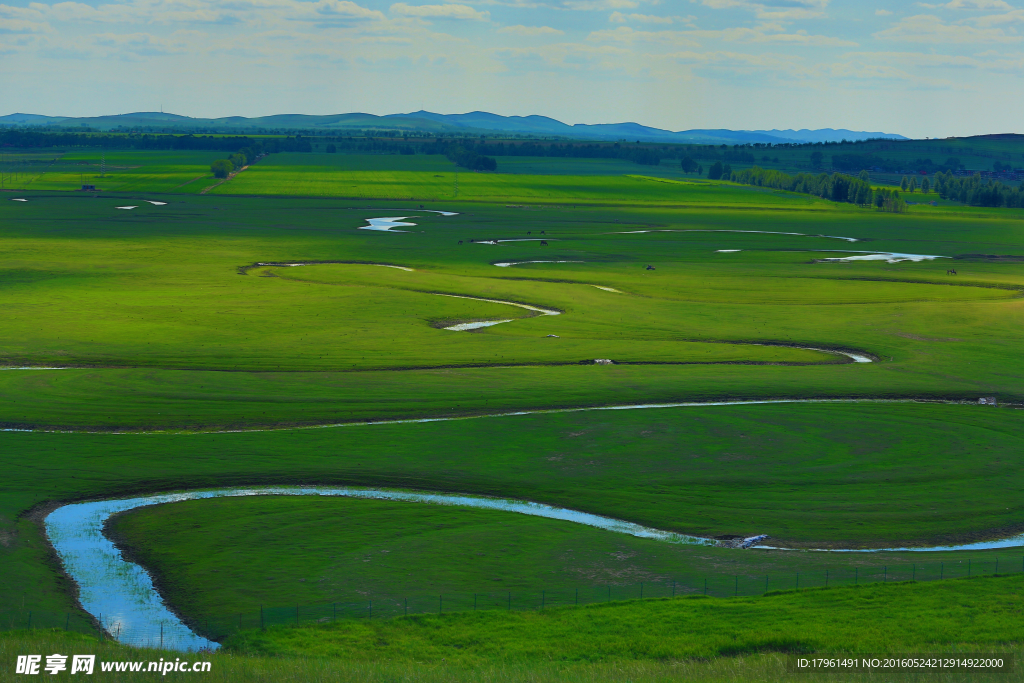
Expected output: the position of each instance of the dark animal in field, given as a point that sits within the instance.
(542, 232)
(543, 242)
(650, 267)
(529, 232)
(460, 241)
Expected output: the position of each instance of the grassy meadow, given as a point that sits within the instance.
(692, 639)
(191, 355)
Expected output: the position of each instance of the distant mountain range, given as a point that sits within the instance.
(475, 123)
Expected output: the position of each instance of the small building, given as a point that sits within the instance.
(987, 401)
(88, 188)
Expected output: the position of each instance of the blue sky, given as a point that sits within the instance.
(920, 69)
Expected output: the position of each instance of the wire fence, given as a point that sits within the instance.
(216, 628)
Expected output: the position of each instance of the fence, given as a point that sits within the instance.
(215, 628)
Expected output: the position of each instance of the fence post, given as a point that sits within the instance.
(826, 578)
(885, 573)
(765, 583)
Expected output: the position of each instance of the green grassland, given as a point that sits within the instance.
(691, 639)
(165, 322)
(817, 475)
(334, 175)
(123, 171)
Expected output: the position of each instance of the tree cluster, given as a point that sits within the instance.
(469, 158)
(974, 191)
(221, 168)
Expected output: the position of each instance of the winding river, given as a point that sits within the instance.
(122, 597)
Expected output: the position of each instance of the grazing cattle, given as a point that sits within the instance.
(460, 241)
(544, 242)
(650, 267)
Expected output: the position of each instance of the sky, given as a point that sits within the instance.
(915, 68)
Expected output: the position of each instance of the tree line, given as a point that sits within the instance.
(837, 187)
(32, 139)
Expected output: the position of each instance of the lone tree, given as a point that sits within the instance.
(905, 183)
(715, 172)
(221, 168)
(925, 185)
(913, 185)
(688, 165)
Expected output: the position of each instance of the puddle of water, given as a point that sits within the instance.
(607, 289)
(506, 264)
(155, 203)
(121, 595)
(727, 251)
(887, 256)
(19, 200)
(387, 224)
(126, 208)
(462, 327)
(759, 232)
(293, 265)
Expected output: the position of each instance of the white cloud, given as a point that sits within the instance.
(927, 28)
(448, 11)
(620, 18)
(624, 34)
(521, 30)
(773, 9)
(601, 4)
(882, 13)
(22, 26)
(976, 4)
